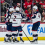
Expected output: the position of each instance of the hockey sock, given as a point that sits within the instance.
(35, 35)
(14, 34)
(20, 34)
(8, 35)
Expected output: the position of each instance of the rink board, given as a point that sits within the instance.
(25, 38)
(27, 29)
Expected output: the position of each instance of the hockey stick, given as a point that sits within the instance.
(25, 33)
(26, 36)
(24, 24)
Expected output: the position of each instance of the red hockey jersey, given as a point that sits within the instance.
(26, 4)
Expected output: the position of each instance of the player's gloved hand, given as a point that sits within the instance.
(28, 18)
(7, 23)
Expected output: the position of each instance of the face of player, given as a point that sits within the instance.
(28, 0)
(10, 12)
(34, 10)
(19, 6)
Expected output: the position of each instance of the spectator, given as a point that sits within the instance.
(27, 11)
(24, 0)
(29, 15)
(41, 10)
(43, 13)
(42, 20)
(21, 10)
(27, 4)
(15, 2)
(43, 3)
(38, 1)
(8, 1)
(2, 1)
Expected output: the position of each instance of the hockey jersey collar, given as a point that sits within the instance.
(35, 12)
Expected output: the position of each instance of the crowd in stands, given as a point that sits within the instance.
(26, 7)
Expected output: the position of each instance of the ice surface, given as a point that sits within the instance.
(25, 43)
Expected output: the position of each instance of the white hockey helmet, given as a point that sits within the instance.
(17, 8)
(11, 9)
(35, 7)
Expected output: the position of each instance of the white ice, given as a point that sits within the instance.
(25, 43)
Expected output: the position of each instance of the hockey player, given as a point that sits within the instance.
(16, 16)
(9, 25)
(36, 18)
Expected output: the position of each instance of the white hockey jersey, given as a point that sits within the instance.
(16, 19)
(36, 17)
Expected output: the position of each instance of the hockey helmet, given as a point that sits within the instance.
(35, 7)
(11, 9)
(17, 8)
